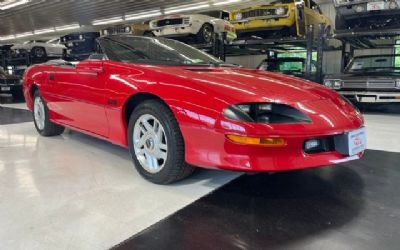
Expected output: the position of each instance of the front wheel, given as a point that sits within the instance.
(39, 52)
(41, 118)
(156, 143)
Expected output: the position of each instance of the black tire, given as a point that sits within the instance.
(39, 52)
(340, 23)
(175, 168)
(205, 34)
(49, 129)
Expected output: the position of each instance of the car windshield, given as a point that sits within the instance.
(132, 49)
(384, 63)
(283, 66)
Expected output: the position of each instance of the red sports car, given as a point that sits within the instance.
(176, 107)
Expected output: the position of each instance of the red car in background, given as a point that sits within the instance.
(176, 107)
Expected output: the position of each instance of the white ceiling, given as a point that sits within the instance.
(44, 14)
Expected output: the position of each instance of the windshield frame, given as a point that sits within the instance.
(151, 61)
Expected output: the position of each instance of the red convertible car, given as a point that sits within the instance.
(176, 107)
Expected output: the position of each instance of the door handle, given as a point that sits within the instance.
(51, 77)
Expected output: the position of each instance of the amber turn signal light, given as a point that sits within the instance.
(269, 142)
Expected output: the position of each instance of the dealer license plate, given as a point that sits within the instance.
(357, 141)
(351, 143)
(5, 88)
(375, 6)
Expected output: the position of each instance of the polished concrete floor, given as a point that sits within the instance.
(77, 192)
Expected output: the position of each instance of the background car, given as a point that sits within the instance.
(135, 29)
(294, 66)
(201, 27)
(281, 17)
(369, 79)
(366, 14)
(41, 49)
(80, 45)
(10, 84)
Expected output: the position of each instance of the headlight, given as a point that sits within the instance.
(127, 29)
(80, 37)
(280, 11)
(238, 16)
(270, 113)
(333, 84)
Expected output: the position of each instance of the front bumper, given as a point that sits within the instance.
(349, 12)
(175, 30)
(372, 97)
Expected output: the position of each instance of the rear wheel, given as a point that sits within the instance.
(205, 34)
(156, 143)
(41, 118)
(39, 52)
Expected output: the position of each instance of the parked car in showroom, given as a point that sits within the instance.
(80, 45)
(369, 79)
(176, 107)
(40, 49)
(198, 26)
(134, 29)
(294, 66)
(10, 84)
(366, 14)
(279, 18)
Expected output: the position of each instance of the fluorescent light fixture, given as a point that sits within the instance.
(183, 8)
(68, 27)
(4, 38)
(218, 3)
(107, 20)
(44, 31)
(142, 15)
(24, 34)
(8, 4)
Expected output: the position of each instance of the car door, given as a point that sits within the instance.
(80, 96)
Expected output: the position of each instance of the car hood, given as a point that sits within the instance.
(247, 85)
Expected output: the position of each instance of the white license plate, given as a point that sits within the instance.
(375, 6)
(368, 99)
(357, 141)
(5, 88)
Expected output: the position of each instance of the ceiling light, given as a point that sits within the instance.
(68, 27)
(3, 38)
(186, 7)
(44, 31)
(8, 4)
(217, 3)
(142, 15)
(107, 20)
(24, 34)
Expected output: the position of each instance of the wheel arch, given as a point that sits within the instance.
(133, 101)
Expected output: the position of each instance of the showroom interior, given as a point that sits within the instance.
(199, 124)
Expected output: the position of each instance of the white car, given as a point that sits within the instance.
(202, 27)
(42, 49)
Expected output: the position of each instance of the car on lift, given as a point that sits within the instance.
(279, 18)
(369, 79)
(294, 66)
(10, 84)
(367, 14)
(39, 49)
(198, 26)
(80, 45)
(138, 29)
(176, 107)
